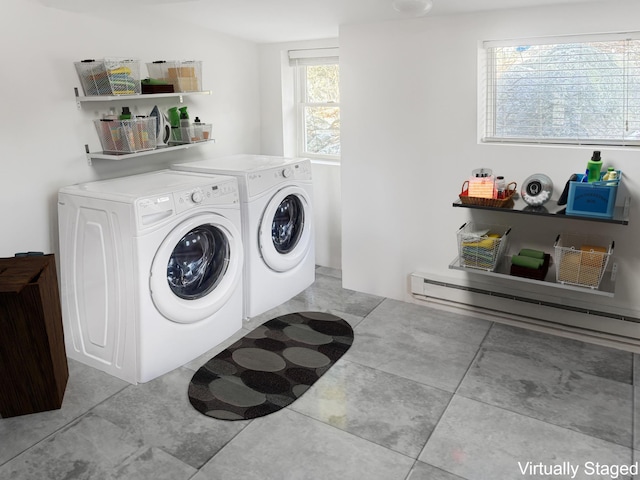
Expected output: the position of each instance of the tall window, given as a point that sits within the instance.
(318, 102)
(577, 90)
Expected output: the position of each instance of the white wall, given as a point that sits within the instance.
(43, 133)
(409, 129)
(278, 138)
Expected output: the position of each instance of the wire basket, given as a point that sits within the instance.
(127, 136)
(582, 259)
(109, 76)
(505, 202)
(481, 245)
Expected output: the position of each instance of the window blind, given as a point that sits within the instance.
(315, 56)
(578, 90)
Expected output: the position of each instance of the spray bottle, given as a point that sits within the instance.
(184, 117)
(174, 121)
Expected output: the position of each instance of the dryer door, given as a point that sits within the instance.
(197, 268)
(285, 235)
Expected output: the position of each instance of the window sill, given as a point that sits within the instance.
(324, 161)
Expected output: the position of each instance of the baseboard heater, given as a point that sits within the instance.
(594, 323)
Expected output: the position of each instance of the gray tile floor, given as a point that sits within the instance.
(422, 394)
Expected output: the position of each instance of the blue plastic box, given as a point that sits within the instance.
(595, 199)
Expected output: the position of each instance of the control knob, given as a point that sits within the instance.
(286, 173)
(197, 197)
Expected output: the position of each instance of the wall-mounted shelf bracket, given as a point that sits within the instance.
(86, 149)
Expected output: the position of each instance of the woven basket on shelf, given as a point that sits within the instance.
(505, 202)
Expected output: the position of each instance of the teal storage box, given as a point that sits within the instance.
(595, 199)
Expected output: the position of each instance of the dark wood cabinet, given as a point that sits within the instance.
(33, 362)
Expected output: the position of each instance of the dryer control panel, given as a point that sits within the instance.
(263, 180)
(223, 193)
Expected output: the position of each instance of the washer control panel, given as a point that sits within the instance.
(153, 210)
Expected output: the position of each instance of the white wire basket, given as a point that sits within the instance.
(110, 76)
(482, 246)
(127, 136)
(582, 259)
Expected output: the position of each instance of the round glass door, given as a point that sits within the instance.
(287, 224)
(198, 262)
(196, 268)
(285, 236)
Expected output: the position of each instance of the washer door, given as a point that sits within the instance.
(285, 229)
(196, 268)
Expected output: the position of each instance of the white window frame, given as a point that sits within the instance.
(300, 59)
(488, 85)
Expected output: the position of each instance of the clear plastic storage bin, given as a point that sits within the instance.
(127, 136)
(109, 76)
(192, 134)
(482, 245)
(582, 259)
(184, 76)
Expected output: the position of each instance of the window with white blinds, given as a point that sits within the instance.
(576, 90)
(317, 93)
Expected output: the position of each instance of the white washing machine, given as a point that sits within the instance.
(277, 224)
(151, 270)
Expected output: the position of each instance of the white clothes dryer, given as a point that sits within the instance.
(151, 270)
(276, 194)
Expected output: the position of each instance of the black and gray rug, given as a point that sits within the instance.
(270, 367)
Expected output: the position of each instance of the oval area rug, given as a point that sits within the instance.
(270, 367)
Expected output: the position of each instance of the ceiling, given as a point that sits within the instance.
(273, 21)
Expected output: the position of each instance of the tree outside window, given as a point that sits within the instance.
(320, 111)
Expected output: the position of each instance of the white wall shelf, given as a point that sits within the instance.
(607, 285)
(80, 99)
(128, 156)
